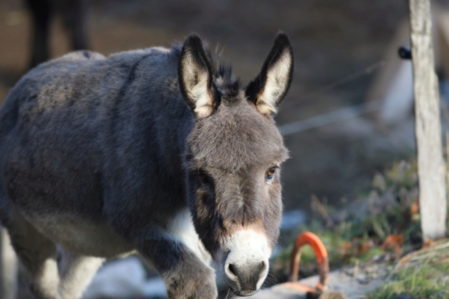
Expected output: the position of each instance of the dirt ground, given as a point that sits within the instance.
(332, 40)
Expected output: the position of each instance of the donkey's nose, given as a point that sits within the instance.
(246, 276)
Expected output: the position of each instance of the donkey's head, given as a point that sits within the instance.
(234, 157)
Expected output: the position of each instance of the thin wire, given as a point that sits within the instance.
(345, 113)
(346, 79)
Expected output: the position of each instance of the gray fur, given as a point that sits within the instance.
(98, 154)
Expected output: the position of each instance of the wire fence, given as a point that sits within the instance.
(343, 114)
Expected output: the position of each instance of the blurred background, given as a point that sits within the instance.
(348, 114)
(339, 47)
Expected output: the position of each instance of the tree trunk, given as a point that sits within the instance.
(431, 166)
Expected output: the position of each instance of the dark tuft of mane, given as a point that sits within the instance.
(227, 84)
(225, 81)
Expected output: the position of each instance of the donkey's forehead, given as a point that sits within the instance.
(236, 136)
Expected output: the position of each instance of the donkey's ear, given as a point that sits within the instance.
(195, 78)
(273, 81)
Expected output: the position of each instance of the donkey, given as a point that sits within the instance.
(42, 12)
(158, 152)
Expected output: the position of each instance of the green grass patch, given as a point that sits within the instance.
(424, 275)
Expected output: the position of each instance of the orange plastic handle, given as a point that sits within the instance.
(315, 242)
(320, 253)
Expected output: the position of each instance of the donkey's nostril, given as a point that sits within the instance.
(248, 276)
(232, 268)
(262, 266)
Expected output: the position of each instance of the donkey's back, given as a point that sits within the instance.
(42, 116)
(82, 110)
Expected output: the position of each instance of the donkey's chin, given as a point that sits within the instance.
(241, 292)
(245, 293)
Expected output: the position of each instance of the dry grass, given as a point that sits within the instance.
(421, 274)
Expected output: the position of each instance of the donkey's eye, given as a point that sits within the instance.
(269, 174)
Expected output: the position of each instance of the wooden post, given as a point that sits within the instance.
(431, 166)
(8, 268)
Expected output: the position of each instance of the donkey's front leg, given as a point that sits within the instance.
(76, 272)
(185, 275)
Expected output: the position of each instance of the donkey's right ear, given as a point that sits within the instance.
(195, 77)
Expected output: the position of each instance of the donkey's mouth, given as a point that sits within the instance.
(245, 293)
(242, 293)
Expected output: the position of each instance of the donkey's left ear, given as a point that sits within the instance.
(195, 77)
(273, 81)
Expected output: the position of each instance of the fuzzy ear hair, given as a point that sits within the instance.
(268, 89)
(195, 78)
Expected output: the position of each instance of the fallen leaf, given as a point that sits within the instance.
(393, 243)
